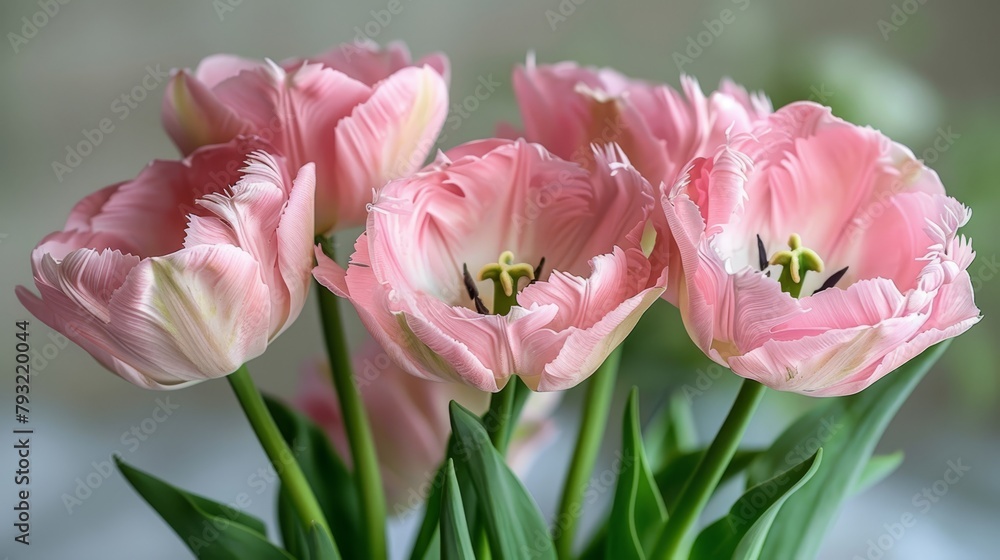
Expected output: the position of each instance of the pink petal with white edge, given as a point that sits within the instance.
(585, 350)
(196, 314)
(295, 242)
(90, 278)
(827, 364)
(387, 136)
(215, 69)
(594, 315)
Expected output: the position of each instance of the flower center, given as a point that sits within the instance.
(796, 262)
(505, 274)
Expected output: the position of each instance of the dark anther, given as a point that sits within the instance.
(832, 280)
(470, 284)
(761, 253)
(480, 306)
(538, 271)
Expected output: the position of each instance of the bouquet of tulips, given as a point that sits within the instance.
(804, 253)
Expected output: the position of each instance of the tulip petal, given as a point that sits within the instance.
(387, 136)
(366, 62)
(295, 242)
(954, 313)
(90, 278)
(194, 116)
(215, 69)
(826, 364)
(196, 314)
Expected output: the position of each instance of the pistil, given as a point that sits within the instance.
(505, 275)
(796, 261)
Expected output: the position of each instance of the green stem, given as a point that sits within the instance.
(292, 478)
(356, 424)
(600, 390)
(498, 419)
(675, 541)
(502, 303)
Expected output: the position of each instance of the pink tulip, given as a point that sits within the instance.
(859, 266)
(410, 424)
(500, 207)
(566, 108)
(363, 116)
(171, 278)
(366, 62)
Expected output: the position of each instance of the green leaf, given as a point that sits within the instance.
(671, 432)
(329, 479)
(456, 544)
(514, 527)
(672, 478)
(638, 513)
(293, 537)
(878, 469)
(211, 530)
(320, 545)
(428, 540)
(740, 534)
(848, 428)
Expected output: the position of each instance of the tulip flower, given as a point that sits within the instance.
(364, 61)
(360, 124)
(816, 256)
(409, 421)
(566, 108)
(501, 259)
(171, 278)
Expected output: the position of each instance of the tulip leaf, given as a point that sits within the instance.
(513, 524)
(876, 470)
(740, 534)
(672, 478)
(427, 544)
(329, 479)
(320, 545)
(455, 541)
(638, 513)
(293, 537)
(671, 432)
(848, 428)
(212, 531)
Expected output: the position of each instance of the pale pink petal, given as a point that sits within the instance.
(586, 349)
(295, 242)
(90, 278)
(387, 136)
(366, 62)
(196, 314)
(215, 69)
(193, 115)
(824, 364)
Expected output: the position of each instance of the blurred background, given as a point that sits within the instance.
(923, 72)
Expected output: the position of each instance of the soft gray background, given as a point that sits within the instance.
(936, 71)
